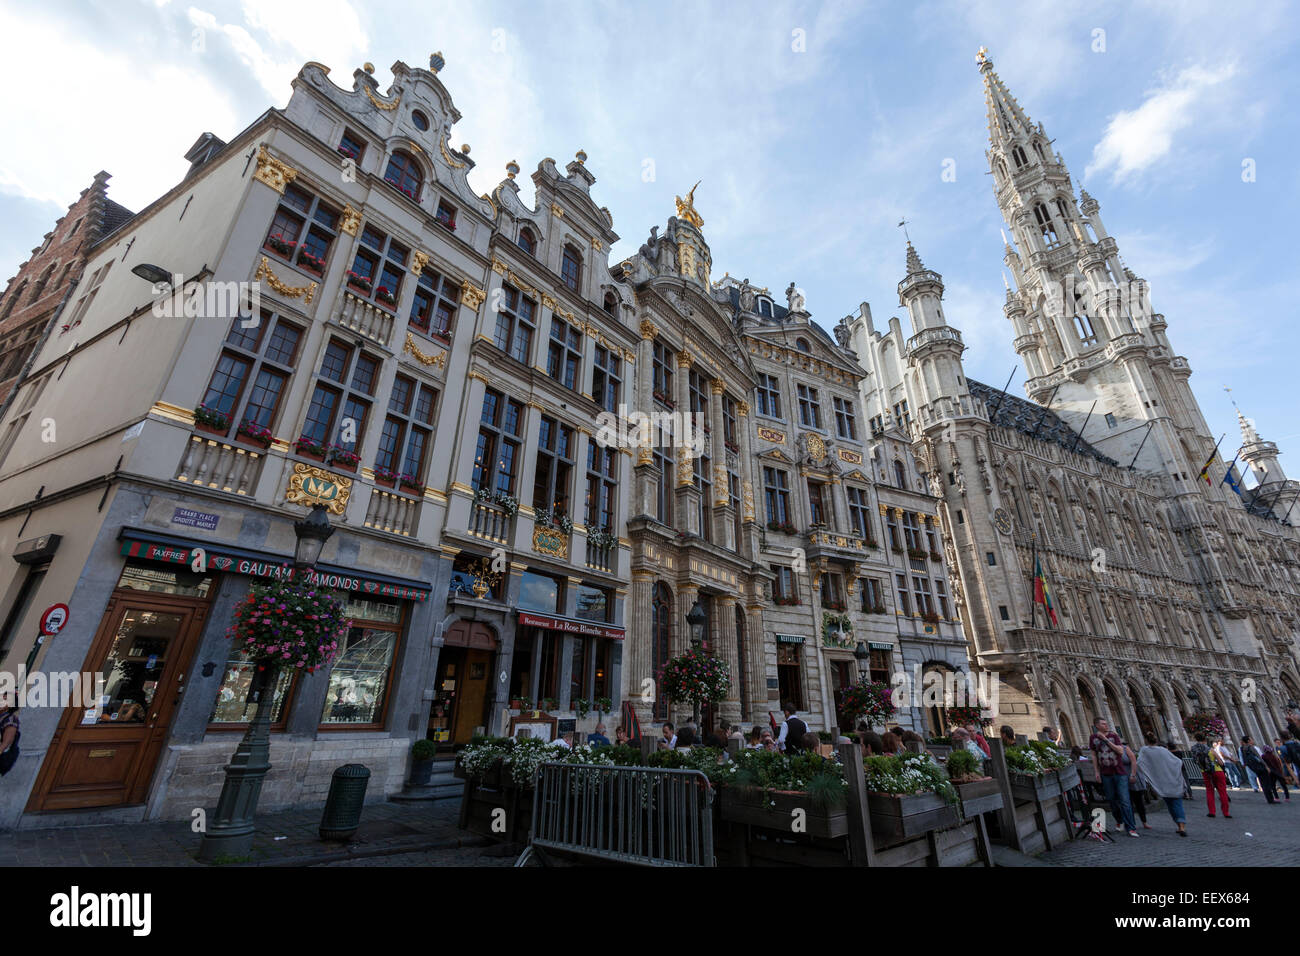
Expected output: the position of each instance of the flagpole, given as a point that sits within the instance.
(1033, 575)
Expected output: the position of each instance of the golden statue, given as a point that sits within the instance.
(686, 208)
(982, 54)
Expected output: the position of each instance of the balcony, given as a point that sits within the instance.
(837, 547)
(210, 463)
(364, 318)
(491, 521)
(600, 557)
(394, 513)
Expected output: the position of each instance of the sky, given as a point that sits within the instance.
(814, 128)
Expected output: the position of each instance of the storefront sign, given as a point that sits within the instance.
(569, 625)
(270, 569)
(876, 646)
(195, 519)
(789, 639)
(771, 434)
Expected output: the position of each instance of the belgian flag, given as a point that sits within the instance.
(1042, 594)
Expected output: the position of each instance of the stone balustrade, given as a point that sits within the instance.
(212, 463)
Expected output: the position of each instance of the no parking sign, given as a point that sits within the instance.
(52, 621)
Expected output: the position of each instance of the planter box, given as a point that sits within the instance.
(310, 456)
(1026, 788)
(1069, 777)
(755, 808)
(248, 439)
(212, 429)
(895, 818)
(979, 796)
(343, 465)
(385, 482)
(479, 803)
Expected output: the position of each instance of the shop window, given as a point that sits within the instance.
(161, 579)
(232, 708)
(539, 592)
(789, 674)
(593, 603)
(360, 680)
(469, 570)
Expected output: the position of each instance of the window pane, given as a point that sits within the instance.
(227, 381)
(359, 679)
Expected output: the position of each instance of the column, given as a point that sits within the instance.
(724, 630)
(720, 512)
(686, 492)
(750, 479)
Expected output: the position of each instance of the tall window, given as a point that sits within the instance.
(737, 515)
(900, 474)
(891, 528)
(742, 663)
(931, 538)
(1045, 225)
(404, 175)
(662, 378)
(846, 422)
(303, 229)
(904, 601)
(818, 511)
(859, 512)
(264, 356)
(729, 423)
(407, 434)
(704, 481)
(768, 396)
(496, 457)
(527, 242)
(941, 593)
(433, 310)
(911, 531)
(873, 594)
(665, 462)
(602, 478)
(516, 320)
(571, 268)
(554, 472)
(340, 403)
(361, 677)
(564, 359)
(921, 588)
(87, 298)
(607, 378)
(776, 493)
(698, 390)
(789, 674)
(784, 589)
(378, 268)
(810, 409)
(902, 416)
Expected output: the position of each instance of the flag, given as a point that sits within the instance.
(1231, 481)
(1205, 472)
(1042, 594)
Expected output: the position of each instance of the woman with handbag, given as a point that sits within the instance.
(1162, 773)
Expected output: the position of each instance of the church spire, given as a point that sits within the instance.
(1248, 434)
(1006, 117)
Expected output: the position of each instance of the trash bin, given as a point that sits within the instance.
(347, 793)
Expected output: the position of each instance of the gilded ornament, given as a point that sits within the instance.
(316, 486)
(557, 210)
(816, 448)
(273, 172)
(717, 386)
(350, 220)
(471, 295)
(551, 541)
(686, 208)
(419, 260)
(749, 501)
(648, 329)
(742, 408)
(308, 291)
(380, 104)
(440, 360)
(451, 161)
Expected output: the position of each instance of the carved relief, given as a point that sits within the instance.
(272, 171)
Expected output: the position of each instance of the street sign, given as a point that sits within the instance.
(52, 621)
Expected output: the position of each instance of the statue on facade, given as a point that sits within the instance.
(794, 297)
(650, 248)
(747, 297)
(842, 334)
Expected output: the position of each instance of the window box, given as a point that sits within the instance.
(663, 397)
(211, 421)
(931, 618)
(872, 543)
(936, 556)
(833, 605)
(782, 526)
(358, 281)
(878, 609)
(307, 448)
(281, 245)
(918, 554)
(344, 151)
(408, 193)
(786, 601)
(341, 458)
(385, 477)
(385, 296)
(410, 483)
(255, 434)
(311, 262)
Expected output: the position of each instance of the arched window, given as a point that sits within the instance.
(1038, 148)
(527, 241)
(611, 303)
(1083, 325)
(900, 474)
(404, 174)
(661, 637)
(1018, 155)
(1045, 223)
(13, 299)
(802, 345)
(1001, 169)
(765, 307)
(571, 268)
(1062, 209)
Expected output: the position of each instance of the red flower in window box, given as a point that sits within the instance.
(936, 556)
(343, 458)
(211, 420)
(311, 262)
(410, 483)
(786, 601)
(448, 224)
(664, 397)
(385, 295)
(357, 280)
(280, 244)
(833, 605)
(731, 445)
(878, 609)
(385, 476)
(930, 618)
(254, 434)
(309, 448)
(347, 152)
(871, 543)
(408, 193)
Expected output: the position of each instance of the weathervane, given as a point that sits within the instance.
(903, 225)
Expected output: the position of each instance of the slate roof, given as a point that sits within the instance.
(114, 215)
(1026, 416)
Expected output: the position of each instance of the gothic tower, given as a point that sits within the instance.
(1092, 347)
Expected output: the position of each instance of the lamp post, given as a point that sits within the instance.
(696, 619)
(230, 832)
(863, 657)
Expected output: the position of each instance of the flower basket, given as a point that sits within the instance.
(784, 527)
(280, 245)
(358, 281)
(292, 624)
(918, 554)
(936, 556)
(255, 434)
(410, 483)
(385, 477)
(774, 810)
(664, 398)
(696, 676)
(211, 420)
(899, 817)
(310, 449)
(384, 295)
(870, 700)
(342, 458)
(878, 609)
(930, 618)
(1210, 724)
(310, 262)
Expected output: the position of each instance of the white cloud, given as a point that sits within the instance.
(1136, 139)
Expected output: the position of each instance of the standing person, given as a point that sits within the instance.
(975, 735)
(1253, 758)
(1137, 788)
(792, 730)
(1247, 774)
(1232, 767)
(1278, 769)
(1163, 773)
(9, 732)
(1108, 752)
(1291, 751)
(1211, 762)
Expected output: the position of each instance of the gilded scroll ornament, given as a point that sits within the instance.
(471, 295)
(350, 220)
(308, 291)
(440, 360)
(419, 260)
(380, 104)
(271, 171)
(309, 485)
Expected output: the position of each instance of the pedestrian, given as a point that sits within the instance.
(1232, 767)
(9, 732)
(1291, 751)
(1251, 777)
(1163, 773)
(669, 740)
(1210, 760)
(975, 735)
(1137, 789)
(1108, 750)
(792, 729)
(961, 740)
(1278, 769)
(1253, 758)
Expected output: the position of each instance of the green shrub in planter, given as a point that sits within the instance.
(962, 764)
(424, 750)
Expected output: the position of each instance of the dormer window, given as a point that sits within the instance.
(765, 307)
(571, 268)
(420, 120)
(527, 241)
(351, 146)
(802, 345)
(446, 215)
(611, 303)
(404, 175)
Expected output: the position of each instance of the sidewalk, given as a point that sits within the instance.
(288, 838)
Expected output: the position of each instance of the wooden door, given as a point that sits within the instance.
(472, 698)
(105, 755)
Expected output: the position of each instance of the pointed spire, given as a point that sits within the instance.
(1248, 434)
(914, 263)
(1005, 115)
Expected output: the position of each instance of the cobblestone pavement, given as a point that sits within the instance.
(288, 838)
(1256, 835)
(466, 856)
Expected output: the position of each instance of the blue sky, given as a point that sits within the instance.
(813, 127)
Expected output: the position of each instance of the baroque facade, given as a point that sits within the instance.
(1173, 594)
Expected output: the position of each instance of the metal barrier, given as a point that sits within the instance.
(1192, 772)
(637, 815)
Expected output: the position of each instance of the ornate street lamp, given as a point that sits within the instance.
(863, 657)
(230, 833)
(697, 620)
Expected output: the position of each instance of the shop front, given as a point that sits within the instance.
(168, 612)
(462, 693)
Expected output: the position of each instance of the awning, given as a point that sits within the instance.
(170, 549)
(571, 625)
(789, 639)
